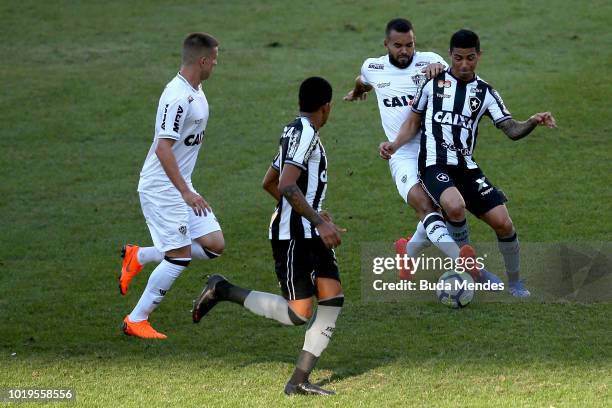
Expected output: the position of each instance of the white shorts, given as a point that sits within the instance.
(404, 171)
(172, 223)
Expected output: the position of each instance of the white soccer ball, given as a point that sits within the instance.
(455, 289)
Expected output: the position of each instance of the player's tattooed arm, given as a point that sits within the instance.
(329, 232)
(359, 91)
(517, 130)
(296, 199)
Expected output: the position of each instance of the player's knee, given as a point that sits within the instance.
(214, 246)
(304, 312)
(420, 201)
(296, 318)
(454, 209)
(503, 226)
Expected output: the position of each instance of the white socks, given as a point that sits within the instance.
(322, 325)
(151, 254)
(160, 281)
(273, 307)
(418, 242)
(439, 236)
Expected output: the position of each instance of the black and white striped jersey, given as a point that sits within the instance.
(453, 111)
(300, 146)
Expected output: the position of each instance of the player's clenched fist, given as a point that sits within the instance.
(545, 119)
(386, 150)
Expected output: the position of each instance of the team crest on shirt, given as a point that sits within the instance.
(419, 79)
(474, 103)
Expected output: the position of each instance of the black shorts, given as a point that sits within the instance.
(298, 262)
(479, 193)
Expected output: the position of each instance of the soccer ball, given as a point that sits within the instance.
(455, 289)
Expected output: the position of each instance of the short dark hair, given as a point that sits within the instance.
(314, 93)
(196, 44)
(465, 39)
(401, 25)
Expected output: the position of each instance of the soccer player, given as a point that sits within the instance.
(453, 103)
(303, 241)
(181, 223)
(395, 77)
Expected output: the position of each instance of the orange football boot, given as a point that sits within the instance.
(467, 252)
(141, 329)
(130, 266)
(400, 249)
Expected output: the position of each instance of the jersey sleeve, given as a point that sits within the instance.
(419, 103)
(496, 109)
(363, 76)
(173, 118)
(300, 147)
(276, 162)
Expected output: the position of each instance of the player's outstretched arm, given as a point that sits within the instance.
(270, 183)
(168, 161)
(329, 233)
(359, 91)
(517, 130)
(407, 132)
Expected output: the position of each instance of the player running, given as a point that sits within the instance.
(302, 239)
(453, 103)
(181, 223)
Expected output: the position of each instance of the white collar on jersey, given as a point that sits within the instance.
(178, 74)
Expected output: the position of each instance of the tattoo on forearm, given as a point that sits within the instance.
(296, 198)
(517, 130)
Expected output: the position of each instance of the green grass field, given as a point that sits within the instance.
(80, 84)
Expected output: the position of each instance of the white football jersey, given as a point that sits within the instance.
(182, 115)
(395, 89)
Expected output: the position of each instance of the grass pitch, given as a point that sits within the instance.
(80, 84)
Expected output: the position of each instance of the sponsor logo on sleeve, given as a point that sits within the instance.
(374, 65)
(177, 118)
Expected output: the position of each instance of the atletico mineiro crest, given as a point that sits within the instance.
(474, 103)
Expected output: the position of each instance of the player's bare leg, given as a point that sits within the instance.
(209, 246)
(507, 240)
